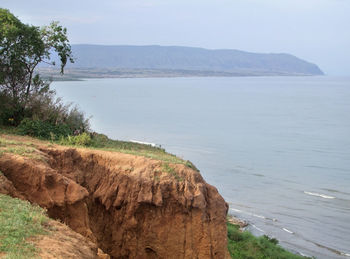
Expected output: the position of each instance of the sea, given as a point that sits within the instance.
(276, 148)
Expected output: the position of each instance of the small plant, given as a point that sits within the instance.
(171, 171)
(191, 165)
(52, 137)
(83, 139)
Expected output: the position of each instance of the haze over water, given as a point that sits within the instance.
(277, 148)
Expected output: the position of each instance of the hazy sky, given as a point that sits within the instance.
(315, 30)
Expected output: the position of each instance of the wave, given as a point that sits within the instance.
(327, 168)
(332, 250)
(319, 195)
(288, 231)
(299, 235)
(253, 214)
(258, 228)
(335, 191)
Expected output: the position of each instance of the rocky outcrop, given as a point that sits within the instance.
(131, 207)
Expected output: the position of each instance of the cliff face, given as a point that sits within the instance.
(131, 207)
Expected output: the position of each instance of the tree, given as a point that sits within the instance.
(22, 48)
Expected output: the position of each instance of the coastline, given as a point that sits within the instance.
(78, 74)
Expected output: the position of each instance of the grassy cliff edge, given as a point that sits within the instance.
(240, 244)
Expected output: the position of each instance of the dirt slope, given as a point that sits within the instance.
(131, 207)
(64, 243)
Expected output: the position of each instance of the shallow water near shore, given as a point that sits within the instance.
(277, 148)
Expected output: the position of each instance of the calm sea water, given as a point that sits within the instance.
(277, 148)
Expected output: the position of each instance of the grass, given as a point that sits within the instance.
(19, 221)
(244, 245)
(26, 149)
(8, 130)
(171, 171)
(102, 142)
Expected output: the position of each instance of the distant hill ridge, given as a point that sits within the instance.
(189, 59)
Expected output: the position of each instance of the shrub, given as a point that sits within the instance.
(6, 111)
(83, 139)
(43, 129)
(245, 245)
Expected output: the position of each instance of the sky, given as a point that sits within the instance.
(315, 30)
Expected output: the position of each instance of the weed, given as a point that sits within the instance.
(83, 139)
(191, 165)
(171, 171)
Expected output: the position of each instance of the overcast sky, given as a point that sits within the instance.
(315, 30)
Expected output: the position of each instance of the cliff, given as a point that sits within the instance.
(129, 206)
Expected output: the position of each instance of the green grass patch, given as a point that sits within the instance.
(19, 220)
(9, 130)
(244, 245)
(7, 142)
(171, 171)
(102, 142)
(18, 148)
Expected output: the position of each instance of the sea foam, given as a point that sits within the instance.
(319, 195)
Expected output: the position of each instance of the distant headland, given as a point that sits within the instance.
(172, 61)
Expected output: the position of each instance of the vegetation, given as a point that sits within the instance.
(42, 129)
(83, 139)
(25, 98)
(19, 220)
(243, 245)
(171, 171)
(88, 140)
(21, 148)
(29, 106)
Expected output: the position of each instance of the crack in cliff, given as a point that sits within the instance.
(114, 200)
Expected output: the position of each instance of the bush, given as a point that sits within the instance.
(100, 140)
(43, 129)
(6, 111)
(83, 139)
(245, 245)
(42, 106)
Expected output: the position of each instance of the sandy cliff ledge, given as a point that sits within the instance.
(131, 207)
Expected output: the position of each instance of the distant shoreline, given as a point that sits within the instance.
(78, 74)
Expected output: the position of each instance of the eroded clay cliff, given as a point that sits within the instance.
(130, 206)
